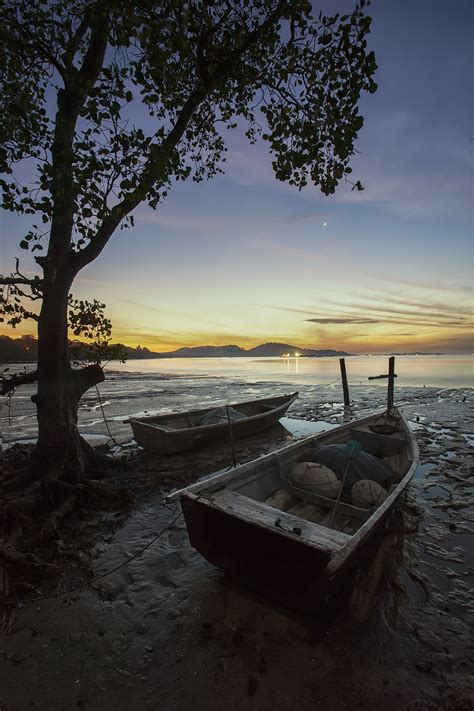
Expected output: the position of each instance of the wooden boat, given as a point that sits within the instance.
(182, 431)
(258, 527)
(383, 376)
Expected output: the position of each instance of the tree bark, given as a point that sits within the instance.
(59, 453)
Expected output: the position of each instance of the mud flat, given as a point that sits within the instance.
(169, 633)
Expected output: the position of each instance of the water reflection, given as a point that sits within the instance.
(291, 361)
(418, 371)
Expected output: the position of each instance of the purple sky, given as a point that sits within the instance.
(244, 259)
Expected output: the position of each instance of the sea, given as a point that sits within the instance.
(447, 371)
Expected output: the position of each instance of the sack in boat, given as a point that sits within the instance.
(316, 478)
(219, 416)
(366, 494)
(364, 466)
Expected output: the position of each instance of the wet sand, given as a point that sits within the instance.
(168, 632)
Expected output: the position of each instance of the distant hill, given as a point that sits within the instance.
(25, 350)
(205, 352)
(266, 350)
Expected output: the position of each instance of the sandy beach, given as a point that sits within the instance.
(168, 632)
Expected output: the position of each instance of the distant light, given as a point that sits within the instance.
(325, 224)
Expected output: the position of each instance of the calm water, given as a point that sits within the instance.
(437, 371)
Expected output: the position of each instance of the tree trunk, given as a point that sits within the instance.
(59, 453)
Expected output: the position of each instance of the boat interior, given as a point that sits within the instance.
(185, 420)
(268, 490)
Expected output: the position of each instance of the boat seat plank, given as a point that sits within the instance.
(306, 510)
(259, 513)
(319, 514)
(327, 503)
(281, 499)
(341, 522)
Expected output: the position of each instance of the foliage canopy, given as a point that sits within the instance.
(113, 101)
(104, 104)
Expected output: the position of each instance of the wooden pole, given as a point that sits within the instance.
(352, 450)
(345, 386)
(336, 503)
(231, 434)
(391, 378)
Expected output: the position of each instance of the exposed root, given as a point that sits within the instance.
(17, 482)
(30, 561)
(51, 526)
(97, 463)
(44, 539)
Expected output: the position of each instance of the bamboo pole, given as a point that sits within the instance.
(345, 387)
(391, 378)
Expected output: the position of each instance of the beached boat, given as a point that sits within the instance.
(296, 545)
(183, 431)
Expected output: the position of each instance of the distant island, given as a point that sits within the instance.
(415, 353)
(265, 350)
(25, 350)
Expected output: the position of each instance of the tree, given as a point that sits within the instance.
(107, 104)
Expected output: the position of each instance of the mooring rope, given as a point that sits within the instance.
(111, 437)
(97, 577)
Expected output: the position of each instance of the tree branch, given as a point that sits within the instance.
(159, 155)
(20, 280)
(70, 101)
(76, 38)
(7, 384)
(85, 378)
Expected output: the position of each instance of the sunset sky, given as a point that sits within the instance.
(243, 259)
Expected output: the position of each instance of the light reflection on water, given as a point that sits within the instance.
(432, 371)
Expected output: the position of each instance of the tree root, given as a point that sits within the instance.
(17, 482)
(96, 462)
(50, 528)
(42, 539)
(30, 561)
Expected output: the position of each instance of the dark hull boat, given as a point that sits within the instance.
(184, 431)
(291, 543)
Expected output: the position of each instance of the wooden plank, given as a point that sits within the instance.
(258, 512)
(319, 514)
(328, 503)
(306, 510)
(341, 522)
(281, 500)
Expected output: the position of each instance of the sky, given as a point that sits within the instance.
(244, 259)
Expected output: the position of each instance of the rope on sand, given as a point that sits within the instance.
(97, 577)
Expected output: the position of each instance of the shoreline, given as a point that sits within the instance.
(169, 633)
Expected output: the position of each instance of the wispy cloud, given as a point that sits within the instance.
(342, 320)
